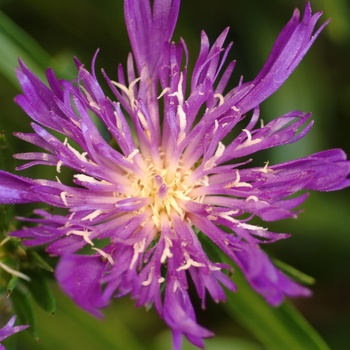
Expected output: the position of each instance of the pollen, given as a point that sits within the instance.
(166, 190)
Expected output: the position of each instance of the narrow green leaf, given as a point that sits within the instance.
(72, 328)
(15, 43)
(41, 292)
(22, 305)
(277, 328)
(294, 273)
(23, 40)
(37, 260)
(12, 284)
(164, 339)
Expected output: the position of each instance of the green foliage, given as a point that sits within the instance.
(23, 281)
(292, 272)
(17, 43)
(24, 274)
(40, 290)
(277, 328)
(23, 308)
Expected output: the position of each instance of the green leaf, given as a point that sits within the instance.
(22, 305)
(37, 260)
(294, 273)
(73, 328)
(15, 43)
(41, 292)
(164, 339)
(277, 328)
(12, 284)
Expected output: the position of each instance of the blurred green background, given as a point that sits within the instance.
(320, 243)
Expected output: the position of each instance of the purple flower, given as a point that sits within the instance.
(9, 329)
(169, 179)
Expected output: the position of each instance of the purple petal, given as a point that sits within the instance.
(290, 47)
(329, 170)
(79, 276)
(10, 329)
(16, 189)
(149, 28)
(179, 315)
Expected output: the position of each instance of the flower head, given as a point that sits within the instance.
(9, 329)
(145, 198)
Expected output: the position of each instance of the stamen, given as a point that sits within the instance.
(63, 196)
(209, 164)
(265, 169)
(237, 182)
(128, 90)
(234, 108)
(220, 150)
(81, 156)
(220, 97)
(226, 215)
(249, 140)
(182, 123)
(214, 268)
(249, 135)
(251, 227)
(138, 249)
(119, 123)
(163, 191)
(84, 234)
(166, 252)
(121, 87)
(149, 279)
(167, 89)
(176, 285)
(58, 179)
(189, 262)
(105, 255)
(132, 155)
(92, 215)
(144, 124)
(254, 198)
(58, 166)
(85, 178)
(91, 101)
(216, 126)
(179, 93)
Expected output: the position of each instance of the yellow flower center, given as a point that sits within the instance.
(166, 189)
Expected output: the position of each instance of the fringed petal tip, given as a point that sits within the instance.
(290, 47)
(10, 329)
